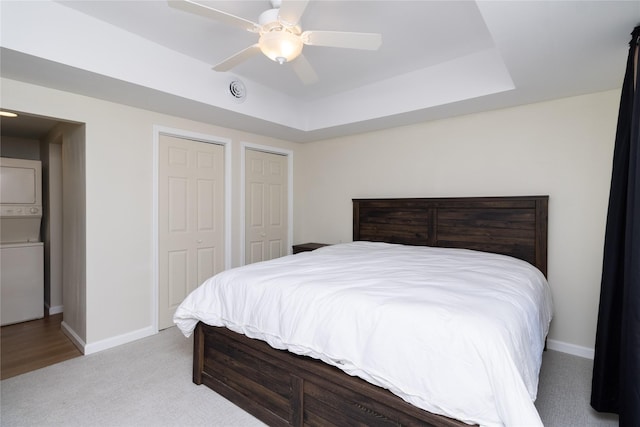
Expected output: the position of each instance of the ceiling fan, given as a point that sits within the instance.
(280, 37)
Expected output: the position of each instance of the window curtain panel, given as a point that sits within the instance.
(616, 367)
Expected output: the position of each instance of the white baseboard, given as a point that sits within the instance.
(118, 340)
(575, 350)
(56, 309)
(572, 349)
(71, 334)
(105, 344)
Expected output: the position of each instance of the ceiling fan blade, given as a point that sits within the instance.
(237, 58)
(365, 41)
(218, 15)
(304, 70)
(291, 11)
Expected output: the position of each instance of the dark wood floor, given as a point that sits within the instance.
(33, 345)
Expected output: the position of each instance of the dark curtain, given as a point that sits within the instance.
(616, 365)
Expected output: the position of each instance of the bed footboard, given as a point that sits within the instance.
(281, 388)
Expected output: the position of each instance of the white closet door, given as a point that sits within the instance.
(266, 195)
(190, 219)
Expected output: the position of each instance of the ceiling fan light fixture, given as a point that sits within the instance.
(281, 38)
(280, 46)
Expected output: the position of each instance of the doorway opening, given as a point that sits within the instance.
(44, 139)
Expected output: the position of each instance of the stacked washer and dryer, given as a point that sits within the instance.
(21, 249)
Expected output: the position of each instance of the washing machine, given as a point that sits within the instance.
(21, 250)
(22, 282)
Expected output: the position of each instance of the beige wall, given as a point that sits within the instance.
(562, 148)
(20, 148)
(117, 150)
(51, 156)
(74, 233)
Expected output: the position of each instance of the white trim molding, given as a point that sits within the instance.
(75, 338)
(56, 309)
(575, 350)
(118, 340)
(105, 344)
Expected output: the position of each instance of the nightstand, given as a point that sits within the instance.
(307, 247)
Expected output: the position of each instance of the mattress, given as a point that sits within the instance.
(455, 332)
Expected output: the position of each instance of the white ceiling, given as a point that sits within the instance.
(437, 59)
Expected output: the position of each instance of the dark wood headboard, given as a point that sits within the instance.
(515, 226)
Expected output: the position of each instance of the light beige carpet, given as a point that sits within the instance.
(148, 383)
(144, 383)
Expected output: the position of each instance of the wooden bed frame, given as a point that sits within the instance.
(281, 388)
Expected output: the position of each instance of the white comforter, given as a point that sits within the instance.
(455, 332)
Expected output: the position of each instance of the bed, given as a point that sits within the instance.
(282, 382)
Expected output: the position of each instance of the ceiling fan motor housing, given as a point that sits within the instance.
(269, 16)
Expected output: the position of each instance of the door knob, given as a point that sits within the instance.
(263, 234)
(199, 241)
